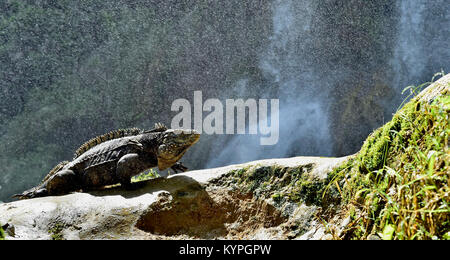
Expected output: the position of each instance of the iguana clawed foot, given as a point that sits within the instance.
(179, 167)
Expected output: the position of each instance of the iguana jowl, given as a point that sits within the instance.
(115, 158)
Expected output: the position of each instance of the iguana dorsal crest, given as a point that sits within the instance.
(115, 135)
(132, 152)
(159, 127)
(55, 170)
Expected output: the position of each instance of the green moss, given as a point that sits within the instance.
(277, 197)
(2, 233)
(307, 189)
(374, 151)
(280, 183)
(256, 178)
(446, 236)
(399, 179)
(395, 187)
(252, 179)
(56, 231)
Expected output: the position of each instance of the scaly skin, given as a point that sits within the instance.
(116, 161)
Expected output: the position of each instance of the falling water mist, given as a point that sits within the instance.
(303, 118)
(305, 83)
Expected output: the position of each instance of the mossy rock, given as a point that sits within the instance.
(402, 172)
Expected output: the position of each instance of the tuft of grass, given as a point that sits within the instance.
(56, 231)
(398, 184)
(2, 233)
(147, 175)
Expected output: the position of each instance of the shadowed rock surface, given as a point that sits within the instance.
(195, 204)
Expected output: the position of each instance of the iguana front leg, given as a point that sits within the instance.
(131, 165)
(178, 166)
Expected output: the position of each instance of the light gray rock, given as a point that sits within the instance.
(189, 206)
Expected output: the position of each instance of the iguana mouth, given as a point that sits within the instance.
(193, 136)
(175, 144)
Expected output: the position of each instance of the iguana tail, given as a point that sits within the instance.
(35, 192)
(40, 190)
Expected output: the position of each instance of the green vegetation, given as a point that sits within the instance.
(283, 184)
(397, 186)
(147, 175)
(56, 231)
(2, 233)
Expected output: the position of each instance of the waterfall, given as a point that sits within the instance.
(303, 95)
(301, 91)
(409, 52)
(422, 47)
(307, 60)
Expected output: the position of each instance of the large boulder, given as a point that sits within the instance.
(234, 202)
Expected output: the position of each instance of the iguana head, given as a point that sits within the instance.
(173, 145)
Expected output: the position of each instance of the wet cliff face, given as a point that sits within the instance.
(70, 72)
(401, 45)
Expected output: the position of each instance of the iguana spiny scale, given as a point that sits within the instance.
(115, 158)
(114, 135)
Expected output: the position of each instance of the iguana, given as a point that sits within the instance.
(114, 158)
